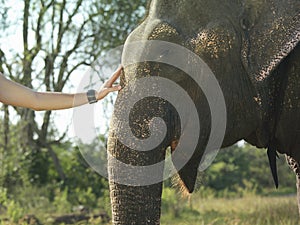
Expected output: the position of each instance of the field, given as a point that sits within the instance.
(251, 210)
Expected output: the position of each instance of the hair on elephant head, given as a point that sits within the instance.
(176, 64)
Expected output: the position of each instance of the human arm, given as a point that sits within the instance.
(15, 94)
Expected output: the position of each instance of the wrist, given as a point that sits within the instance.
(92, 96)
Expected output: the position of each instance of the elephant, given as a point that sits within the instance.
(251, 47)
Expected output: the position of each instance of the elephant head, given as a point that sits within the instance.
(250, 47)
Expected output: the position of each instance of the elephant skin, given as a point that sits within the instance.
(252, 48)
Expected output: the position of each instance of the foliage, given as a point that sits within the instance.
(13, 209)
(40, 169)
(58, 39)
(172, 203)
(61, 200)
(246, 167)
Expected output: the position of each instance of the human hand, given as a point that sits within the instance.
(108, 87)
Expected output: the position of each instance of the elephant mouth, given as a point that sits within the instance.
(173, 145)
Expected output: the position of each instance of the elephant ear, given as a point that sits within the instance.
(272, 31)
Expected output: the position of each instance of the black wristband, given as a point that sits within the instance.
(91, 95)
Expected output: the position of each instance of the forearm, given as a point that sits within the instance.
(12, 93)
(57, 100)
(15, 94)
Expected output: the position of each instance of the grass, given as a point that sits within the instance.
(249, 210)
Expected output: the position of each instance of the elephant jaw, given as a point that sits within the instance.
(187, 175)
(187, 178)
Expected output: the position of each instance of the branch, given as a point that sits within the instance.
(60, 81)
(27, 57)
(64, 81)
(38, 35)
(2, 60)
(44, 128)
(60, 139)
(62, 29)
(6, 128)
(25, 24)
(57, 164)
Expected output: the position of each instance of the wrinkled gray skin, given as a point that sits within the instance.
(252, 48)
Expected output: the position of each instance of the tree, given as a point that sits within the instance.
(236, 165)
(58, 38)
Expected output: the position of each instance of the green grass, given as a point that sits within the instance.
(251, 210)
(202, 208)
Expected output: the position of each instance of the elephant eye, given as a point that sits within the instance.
(245, 24)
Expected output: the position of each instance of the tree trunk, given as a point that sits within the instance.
(6, 128)
(56, 163)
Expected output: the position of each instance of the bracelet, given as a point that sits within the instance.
(91, 95)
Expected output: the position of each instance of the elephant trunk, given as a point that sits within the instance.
(136, 151)
(135, 205)
(132, 201)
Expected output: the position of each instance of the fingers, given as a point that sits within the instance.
(114, 77)
(108, 85)
(114, 88)
(105, 91)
